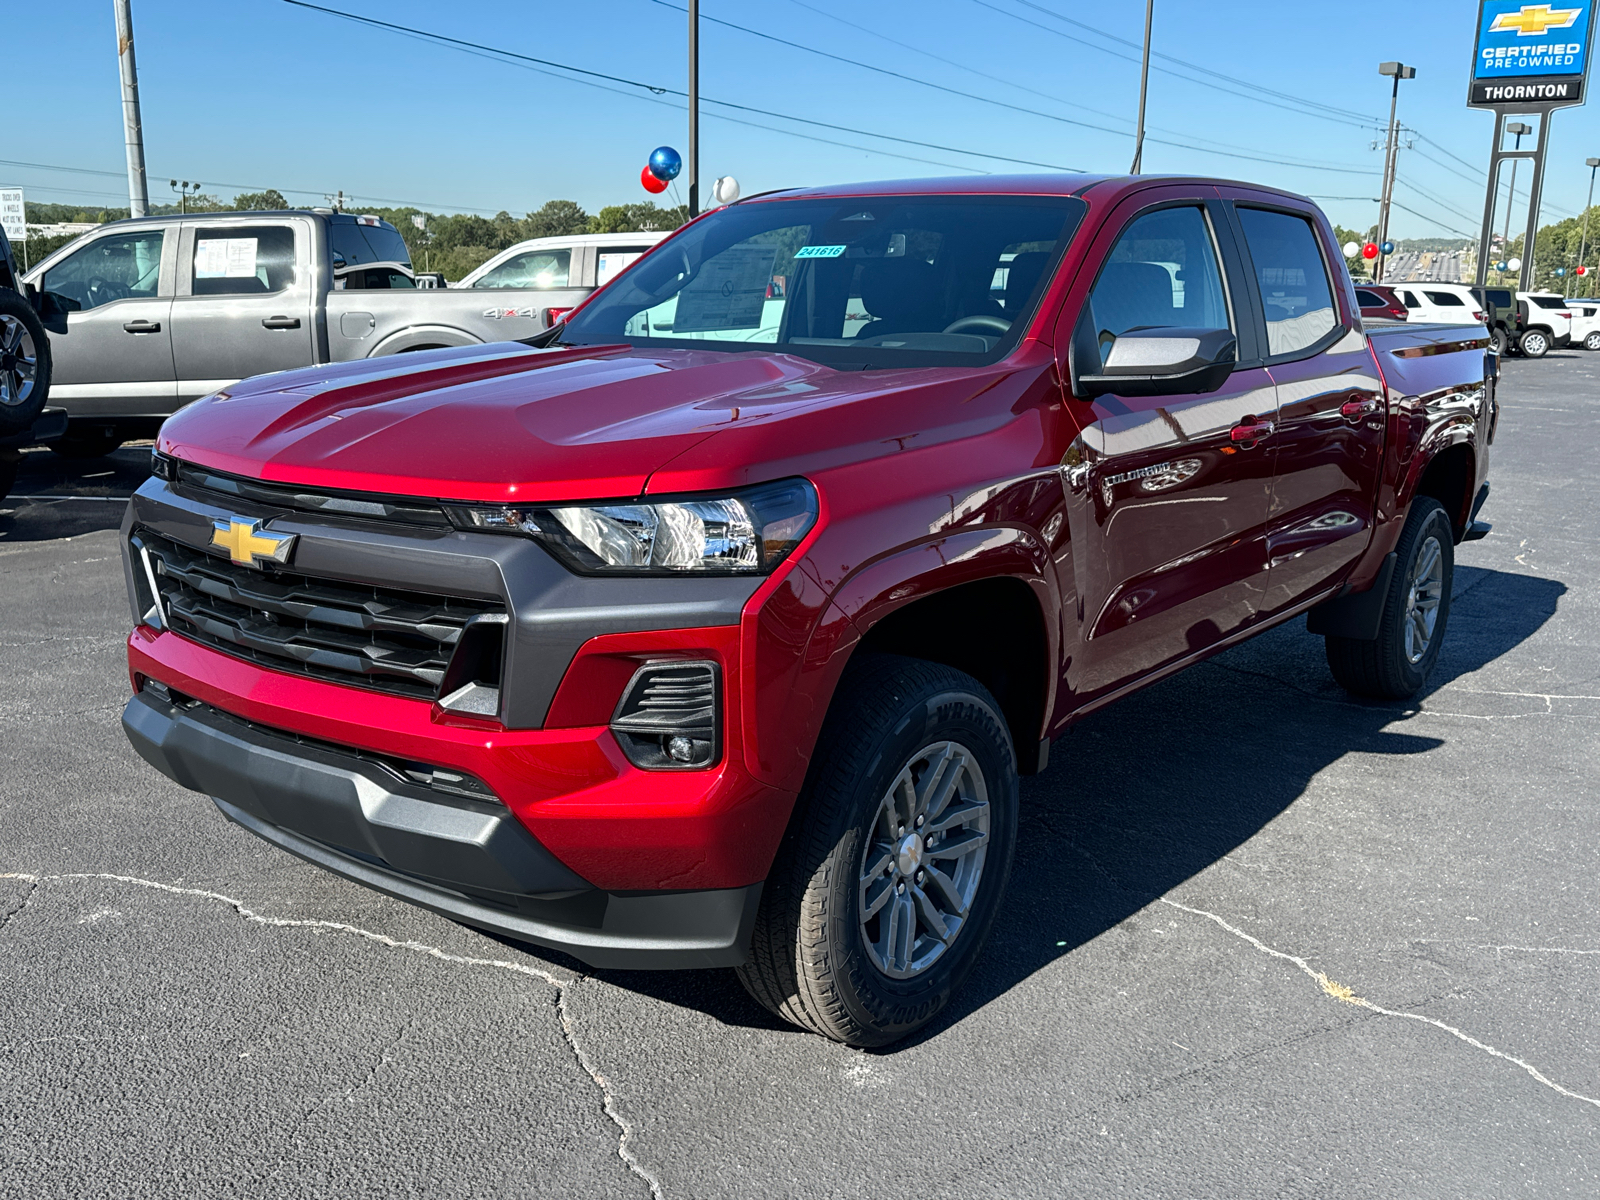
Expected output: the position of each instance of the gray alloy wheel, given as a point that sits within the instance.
(19, 363)
(923, 859)
(1423, 598)
(1535, 343)
(1592, 342)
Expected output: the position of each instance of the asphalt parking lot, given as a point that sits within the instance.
(1262, 941)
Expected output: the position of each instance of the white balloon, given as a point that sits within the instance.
(1351, 249)
(725, 189)
(1514, 265)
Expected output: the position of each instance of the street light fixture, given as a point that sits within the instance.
(1397, 71)
(184, 190)
(1583, 243)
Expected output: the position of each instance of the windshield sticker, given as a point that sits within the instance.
(730, 291)
(224, 258)
(819, 252)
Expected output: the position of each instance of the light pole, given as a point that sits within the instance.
(1397, 71)
(1520, 129)
(1583, 242)
(133, 130)
(184, 190)
(1144, 88)
(694, 109)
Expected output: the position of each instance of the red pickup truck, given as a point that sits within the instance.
(715, 626)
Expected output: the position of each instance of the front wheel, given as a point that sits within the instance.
(892, 871)
(1396, 663)
(24, 364)
(1535, 343)
(1592, 342)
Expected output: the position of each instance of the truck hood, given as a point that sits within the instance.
(493, 423)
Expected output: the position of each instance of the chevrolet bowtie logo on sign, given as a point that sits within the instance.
(1534, 20)
(248, 544)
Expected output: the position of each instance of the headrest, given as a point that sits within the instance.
(1021, 278)
(1131, 294)
(903, 290)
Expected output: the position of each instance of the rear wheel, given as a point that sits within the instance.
(892, 871)
(1535, 343)
(24, 363)
(1592, 342)
(1396, 663)
(1499, 341)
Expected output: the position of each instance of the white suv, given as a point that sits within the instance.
(1446, 303)
(1585, 323)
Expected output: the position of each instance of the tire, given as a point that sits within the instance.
(814, 961)
(1592, 342)
(87, 443)
(1388, 667)
(1535, 343)
(24, 364)
(1498, 340)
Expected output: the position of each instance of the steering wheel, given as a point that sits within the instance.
(976, 322)
(103, 291)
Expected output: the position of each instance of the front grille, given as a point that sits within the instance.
(220, 487)
(383, 638)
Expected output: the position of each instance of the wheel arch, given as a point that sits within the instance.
(423, 337)
(1448, 476)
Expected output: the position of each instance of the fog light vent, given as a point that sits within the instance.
(669, 718)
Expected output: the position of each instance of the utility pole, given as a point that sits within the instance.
(694, 109)
(1583, 243)
(1144, 87)
(138, 192)
(1390, 160)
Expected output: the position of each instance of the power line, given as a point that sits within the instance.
(477, 47)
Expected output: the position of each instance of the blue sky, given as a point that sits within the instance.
(259, 93)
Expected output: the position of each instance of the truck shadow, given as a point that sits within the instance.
(56, 497)
(1150, 792)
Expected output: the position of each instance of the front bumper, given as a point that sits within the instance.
(469, 860)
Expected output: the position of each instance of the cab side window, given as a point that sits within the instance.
(1295, 293)
(120, 267)
(538, 269)
(1162, 272)
(243, 261)
(1445, 299)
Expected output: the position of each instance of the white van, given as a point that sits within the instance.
(1448, 303)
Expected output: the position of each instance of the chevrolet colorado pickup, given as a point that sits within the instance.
(697, 634)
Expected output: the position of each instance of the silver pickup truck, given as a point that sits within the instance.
(146, 315)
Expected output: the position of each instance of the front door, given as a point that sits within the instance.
(1327, 451)
(112, 352)
(1167, 495)
(244, 303)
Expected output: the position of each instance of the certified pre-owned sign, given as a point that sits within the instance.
(1535, 53)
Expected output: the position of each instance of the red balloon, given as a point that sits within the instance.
(651, 184)
(1582, 271)
(1369, 251)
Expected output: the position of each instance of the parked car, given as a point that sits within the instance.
(24, 372)
(147, 315)
(1545, 323)
(1379, 303)
(1585, 323)
(1446, 303)
(674, 648)
(566, 269)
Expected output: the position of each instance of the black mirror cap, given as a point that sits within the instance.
(1164, 361)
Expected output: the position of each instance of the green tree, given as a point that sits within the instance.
(270, 200)
(556, 219)
(643, 217)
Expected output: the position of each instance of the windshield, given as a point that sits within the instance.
(875, 282)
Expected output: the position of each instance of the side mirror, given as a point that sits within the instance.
(1157, 361)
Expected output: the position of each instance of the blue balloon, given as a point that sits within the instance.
(1560, 271)
(1387, 247)
(665, 162)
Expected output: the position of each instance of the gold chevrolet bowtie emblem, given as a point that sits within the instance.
(246, 542)
(1533, 20)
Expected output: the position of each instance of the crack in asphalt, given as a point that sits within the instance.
(561, 985)
(1346, 995)
(27, 899)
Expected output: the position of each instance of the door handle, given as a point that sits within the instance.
(142, 326)
(1250, 431)
(281, 323)
(1356, 409)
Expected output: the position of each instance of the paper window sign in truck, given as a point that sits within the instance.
(1536, 53)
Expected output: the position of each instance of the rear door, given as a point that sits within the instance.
(113, 350)
(1167, 511)
(1327, 451)
(243, 306)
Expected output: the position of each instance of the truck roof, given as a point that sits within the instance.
(1060, 184)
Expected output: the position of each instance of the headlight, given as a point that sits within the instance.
(748, 532)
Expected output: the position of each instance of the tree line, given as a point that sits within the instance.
(453, 243)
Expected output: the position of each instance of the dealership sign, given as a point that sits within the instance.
(1531, 53)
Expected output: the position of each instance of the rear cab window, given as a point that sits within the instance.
(357, 241)
(613, 260)
(1296, 295)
